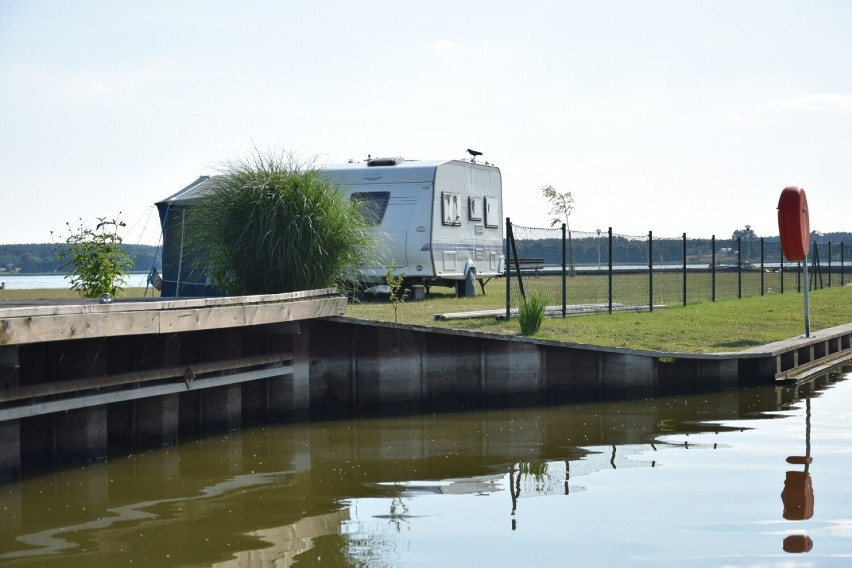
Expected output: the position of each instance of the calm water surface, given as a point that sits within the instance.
(59, 281)
(694, 481)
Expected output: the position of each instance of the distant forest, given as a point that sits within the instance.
(591, 250)
(41, 258)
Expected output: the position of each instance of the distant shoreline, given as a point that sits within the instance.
(4, 274)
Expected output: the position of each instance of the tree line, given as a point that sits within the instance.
(590, 250)
(43, 258)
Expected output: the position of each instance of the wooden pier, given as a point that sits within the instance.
(81, 378)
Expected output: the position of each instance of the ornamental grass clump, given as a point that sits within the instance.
(531, 314)
(273, 224)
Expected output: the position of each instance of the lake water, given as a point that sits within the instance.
(686, 481)
(58, 281)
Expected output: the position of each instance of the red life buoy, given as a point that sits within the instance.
(794, 224)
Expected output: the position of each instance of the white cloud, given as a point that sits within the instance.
(126, 80)
(818, 101)
(841, 528)
(444, 46)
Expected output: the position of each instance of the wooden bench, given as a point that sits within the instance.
(528, 264)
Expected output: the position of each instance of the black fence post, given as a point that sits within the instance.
(799, 276)
(829, 264)
(684, 270)
(744, 265)
(609, 269)
(517, 265)
(713, 268)
(650, 271)
(739, 268)
(817, 268)
(508, 268)
(564, 276)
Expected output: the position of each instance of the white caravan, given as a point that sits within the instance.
(439, 222)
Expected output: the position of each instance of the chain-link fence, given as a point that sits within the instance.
(580, 271)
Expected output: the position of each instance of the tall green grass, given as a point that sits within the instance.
(531, 314)
(274, 224)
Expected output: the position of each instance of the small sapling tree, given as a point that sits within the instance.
(93, 258)
(398, 295)
(561, 207)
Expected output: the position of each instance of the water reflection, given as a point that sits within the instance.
(798, 493)
(649, 481)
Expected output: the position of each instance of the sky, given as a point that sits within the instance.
(666, 116)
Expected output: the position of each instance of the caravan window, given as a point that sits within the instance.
(373, 205)
(491, 219)
(450, 209)
(474, 208)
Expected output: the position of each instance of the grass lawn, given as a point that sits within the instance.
(701, 327)
(67, 293)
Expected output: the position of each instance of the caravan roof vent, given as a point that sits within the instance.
(385, 161)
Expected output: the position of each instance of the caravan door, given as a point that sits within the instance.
(395, 226)
(389, 210)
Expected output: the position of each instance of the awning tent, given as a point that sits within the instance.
(184, 270)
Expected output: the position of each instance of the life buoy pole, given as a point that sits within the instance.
(807, 297)
(795, 230)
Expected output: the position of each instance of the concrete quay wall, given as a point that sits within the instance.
(194, 372)
(363, 366)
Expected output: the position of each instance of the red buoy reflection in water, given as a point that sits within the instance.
(798, 543)
(798, 493)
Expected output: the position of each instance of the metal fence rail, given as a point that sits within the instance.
(604, 271)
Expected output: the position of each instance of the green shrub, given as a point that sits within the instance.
(93, 258)
(273, 224)
(531, 314)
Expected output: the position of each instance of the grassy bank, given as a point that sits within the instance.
(704, 327)
(67, 293)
